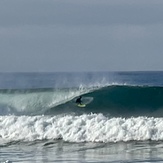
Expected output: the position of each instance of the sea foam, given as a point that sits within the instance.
(84, 128)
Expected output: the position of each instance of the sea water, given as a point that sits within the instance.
(40, 122)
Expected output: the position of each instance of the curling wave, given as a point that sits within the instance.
(115, 100)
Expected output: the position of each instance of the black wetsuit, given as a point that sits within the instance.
(78, 100)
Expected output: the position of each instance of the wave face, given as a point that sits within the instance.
(113, 100)
(128, 100)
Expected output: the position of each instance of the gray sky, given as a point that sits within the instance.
(81, 35)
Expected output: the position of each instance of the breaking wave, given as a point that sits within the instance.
(83, 128)
(116, 113)
(114, 100)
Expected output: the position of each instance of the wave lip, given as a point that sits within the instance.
(84, 128)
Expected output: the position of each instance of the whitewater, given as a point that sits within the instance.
(84, 128)
(40, 122)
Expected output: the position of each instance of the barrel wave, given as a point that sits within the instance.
(114, 100)
(128, 101)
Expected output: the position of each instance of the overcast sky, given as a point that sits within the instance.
(81, 35)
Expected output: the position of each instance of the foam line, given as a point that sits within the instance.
(84, 128)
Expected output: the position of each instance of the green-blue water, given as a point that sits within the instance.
(40, 122)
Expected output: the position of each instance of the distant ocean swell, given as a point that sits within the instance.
(115, 100)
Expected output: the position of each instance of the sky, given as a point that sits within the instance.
(81, 35)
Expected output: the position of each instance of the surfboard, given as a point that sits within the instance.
(81, 105)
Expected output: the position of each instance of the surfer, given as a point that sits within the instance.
(78, 100)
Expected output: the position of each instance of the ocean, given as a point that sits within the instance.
(122, 121)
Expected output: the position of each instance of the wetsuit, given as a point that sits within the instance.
(78, 100)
